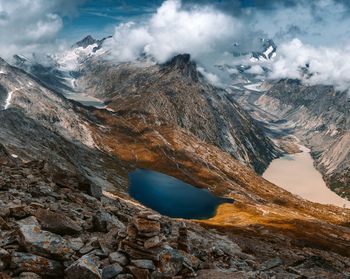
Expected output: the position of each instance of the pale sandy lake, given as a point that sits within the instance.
(297, 174)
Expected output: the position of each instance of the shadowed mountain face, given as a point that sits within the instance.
(176, 93)
(321, 118)
(40, 124)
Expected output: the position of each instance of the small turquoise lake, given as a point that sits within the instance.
(172, 197)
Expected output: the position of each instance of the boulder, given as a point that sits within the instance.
(137, 251)
(40, 242)
(110, 271)
(146, 264)
(56, 222)
(117, 257)
(84, 268)
(104, 222)
(76, 243)
(25, 262)
(90, 246)
(152, 242)
(19, 211)
(170, 262)
(139, 273)
(146, 227)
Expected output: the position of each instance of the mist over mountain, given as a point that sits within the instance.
(314, 32)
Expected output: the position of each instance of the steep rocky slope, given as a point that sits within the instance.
(320, 117)
(51, 228)
(37, 123)
(177, 93)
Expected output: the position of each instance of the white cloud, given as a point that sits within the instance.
(255, 70)
(200, 31)
(328, 66)
(321, 22)
(212, 78)
(31, 25)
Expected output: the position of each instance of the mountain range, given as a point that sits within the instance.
(64, 203)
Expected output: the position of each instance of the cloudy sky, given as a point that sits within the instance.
(307, 32)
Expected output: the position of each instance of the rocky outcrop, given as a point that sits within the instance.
(37, 265)
(42, 242)
(56, 222)
(39, 119)
(85, 267)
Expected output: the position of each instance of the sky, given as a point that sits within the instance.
(307, 32)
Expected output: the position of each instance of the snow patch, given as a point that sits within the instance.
(8, 99)
(70, 59)
(268, 52)
(254, 87)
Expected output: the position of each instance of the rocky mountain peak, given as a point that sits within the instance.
(267, 51)
(184, 64)
(87, 41)
(181, 60)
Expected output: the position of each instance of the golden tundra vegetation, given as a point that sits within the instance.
(261, 209)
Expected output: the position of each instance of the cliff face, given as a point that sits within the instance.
(176, 93)
(320, 117)
(65, 210)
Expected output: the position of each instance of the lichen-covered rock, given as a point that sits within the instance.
(146, 227)
(41, 242)
(56, 222)
(84, 268)
(110, 271)
(171, 262)
(104, 222)
(152, 242)
(117, 257)
(76, 243)
(139, 273)
(146, 264)
(25, 262)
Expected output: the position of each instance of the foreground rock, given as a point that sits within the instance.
(56, 223)
(50, 228)
(25, 262)
(84, 268)
(42, 242)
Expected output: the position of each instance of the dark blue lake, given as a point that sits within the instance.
(172, 197)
